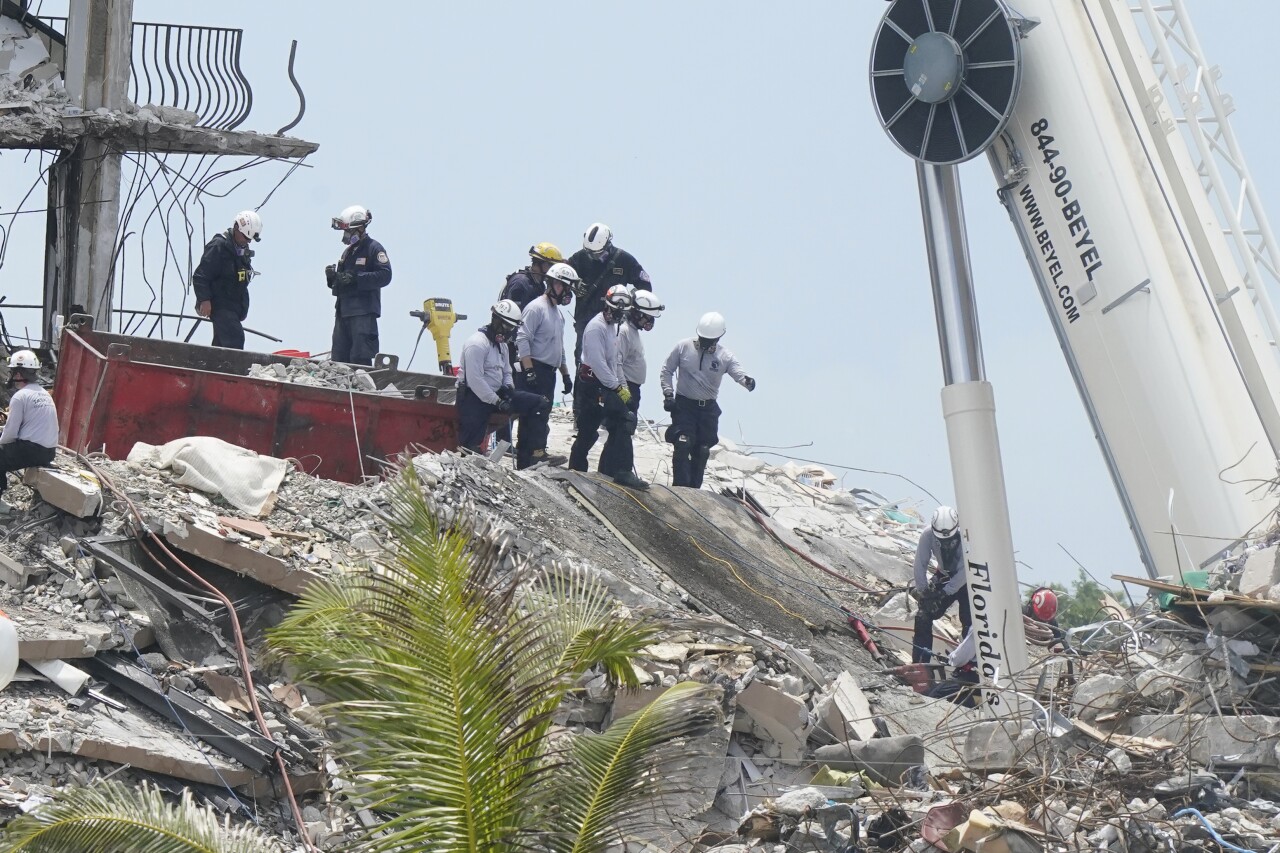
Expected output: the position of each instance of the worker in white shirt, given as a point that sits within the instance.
(30, 436)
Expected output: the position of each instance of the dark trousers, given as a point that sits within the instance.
(504, 431)
(227, 331)
(922, 641)
(474, 414)
(595, 406)
(694, 430)
(535, 426)
(20, 454)
(355, 339)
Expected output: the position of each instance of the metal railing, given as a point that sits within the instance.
(189, 67)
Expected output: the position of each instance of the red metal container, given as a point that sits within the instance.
(115, 390)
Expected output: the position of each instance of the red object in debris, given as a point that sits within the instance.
(115, 390)
(293, 353)
(916, 676)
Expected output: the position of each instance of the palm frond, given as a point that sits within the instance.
(612, 779)
(110, 817)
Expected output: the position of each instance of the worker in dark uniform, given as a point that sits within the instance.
(601, 265)
(484, 379)
(526, 285)
(357, 281)
(601, 395)
(221, 280)
(935, 593)
(698, 365)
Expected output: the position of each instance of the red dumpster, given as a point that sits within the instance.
(114, 390)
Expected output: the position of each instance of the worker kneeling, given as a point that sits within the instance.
(941, 542)
(601, 395)
(30, 437)
(484, 381)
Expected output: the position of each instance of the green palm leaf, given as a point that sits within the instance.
(613, 779)
(110, 817)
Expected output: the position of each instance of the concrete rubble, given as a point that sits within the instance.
(1156, 729)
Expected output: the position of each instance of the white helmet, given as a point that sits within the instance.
(647, 304)
(711, 326)
(249, 224)
(568, 277)
(945, 522)
(24, 358)
(597, 238)
(354, 216)
(507, 312)
(618, 298)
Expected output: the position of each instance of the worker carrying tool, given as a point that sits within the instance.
(221, 280)
(601, 266)
(30, 436)
(1039, 619)
(356, 281)
(698, 365)
(601, 395)
(940, 542)
(540, 348)
(485, 383)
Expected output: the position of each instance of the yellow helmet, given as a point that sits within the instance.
(546, 252)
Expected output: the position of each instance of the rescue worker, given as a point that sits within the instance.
(1040, 610)
(30, 436)
(357, 281)
(645, 309)
(524, 286)
(221, 280)
(940, 542)
(601, 395)
(540, 348)
(484, 379)
(601, 265)
(699, 364)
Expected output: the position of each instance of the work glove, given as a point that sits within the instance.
(624, 393)
(668, 403)
(330, 275)
(344, 280)
(749, 383)
(527, 378)
(566, 383)
(504, 392)
(504, 405)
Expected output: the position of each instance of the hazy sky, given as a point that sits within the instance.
(734, 151)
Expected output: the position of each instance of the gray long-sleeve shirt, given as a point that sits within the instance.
(32, 417)
(699, 372)
(631, 354)
(485, 367)
(600, 351)
(541, 335)
(931, 546)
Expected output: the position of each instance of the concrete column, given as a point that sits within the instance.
(84, 186)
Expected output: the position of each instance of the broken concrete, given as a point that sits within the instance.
(884, 760)
(79, 495)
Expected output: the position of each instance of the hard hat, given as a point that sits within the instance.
(249, 224)
(354, 216)
(618, 298)
(506, 313)
(568, 277)
(711, 326)
(1044, 604)
(597, 238)
(548, 252)
(24, 358)
(647, 304)
(945, 522)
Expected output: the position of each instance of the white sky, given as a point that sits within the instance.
(734, 151)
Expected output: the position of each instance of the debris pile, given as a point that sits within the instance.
(321, 373)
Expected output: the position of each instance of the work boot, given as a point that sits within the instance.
(542, 457)
(631, 481)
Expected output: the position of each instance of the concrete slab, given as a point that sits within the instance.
(79, 495)
(211, 545)
(844, 711)
(14, 574)
(777, 715)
